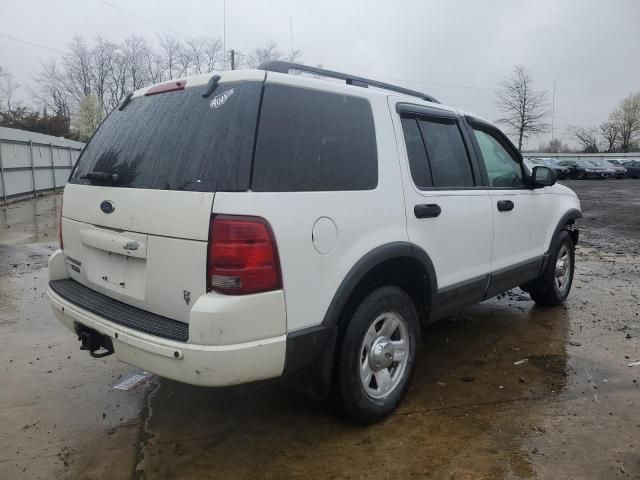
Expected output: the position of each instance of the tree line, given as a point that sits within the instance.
(73, 95)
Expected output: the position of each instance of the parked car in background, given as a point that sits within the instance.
(561, 172)
(618, 170)
(617, 161)
(633, 168)
(584, 169)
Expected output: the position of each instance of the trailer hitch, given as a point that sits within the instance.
(93, 341)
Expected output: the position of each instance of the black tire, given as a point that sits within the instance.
(546, 289)
(348, 393)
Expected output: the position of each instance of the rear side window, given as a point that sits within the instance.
(314, 141)
(437, 153)
(418, 162)
(447, 153)
(177, 141)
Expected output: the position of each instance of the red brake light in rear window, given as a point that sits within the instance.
(167, 87)
(242, 257)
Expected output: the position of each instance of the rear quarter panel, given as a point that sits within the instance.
(364, 220)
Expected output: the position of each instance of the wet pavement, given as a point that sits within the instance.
(504, 390)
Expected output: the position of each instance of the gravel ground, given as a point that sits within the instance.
(504, 390)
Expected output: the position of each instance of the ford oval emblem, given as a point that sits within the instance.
(107, 206)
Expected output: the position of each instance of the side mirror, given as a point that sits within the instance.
(543, 177)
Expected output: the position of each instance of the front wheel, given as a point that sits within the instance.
(376, 356)
(553, 287)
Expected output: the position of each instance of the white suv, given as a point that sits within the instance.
(226, 228)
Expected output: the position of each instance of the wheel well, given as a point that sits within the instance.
(406, 273)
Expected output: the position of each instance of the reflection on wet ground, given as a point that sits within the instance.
(504, 390)
(30, 221)
(507, 390)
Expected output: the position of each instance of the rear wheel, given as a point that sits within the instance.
(376, 356)
(553, 287)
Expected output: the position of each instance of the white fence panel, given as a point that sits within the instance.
(32, 162)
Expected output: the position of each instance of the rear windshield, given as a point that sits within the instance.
(176, 141)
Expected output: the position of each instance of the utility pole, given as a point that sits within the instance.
(233, 59)
(224, 26)
(291, 35)
(553, 108)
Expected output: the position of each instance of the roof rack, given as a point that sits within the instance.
(286, 67)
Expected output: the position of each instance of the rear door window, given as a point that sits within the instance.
(417, 154)
(177, 141)
(310, 140)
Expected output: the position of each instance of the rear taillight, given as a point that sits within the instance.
(242, 256)
(60, 226)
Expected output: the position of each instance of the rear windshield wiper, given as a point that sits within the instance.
(101, 177)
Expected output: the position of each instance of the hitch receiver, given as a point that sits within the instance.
(94, 341)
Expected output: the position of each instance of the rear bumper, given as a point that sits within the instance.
(184, 362)
(207, 362)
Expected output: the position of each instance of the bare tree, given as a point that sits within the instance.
(609, 133)
(213, 54)
(523, 107)
(295, 56)
(170, 53)
(118, 84)
(77, 67)
(626, 117)
(135, 51)
(103, 56)
(587, 137)
(8, 88)
(51, 91)
(268, 52)
(195, 51)
(554, 146)
(103, 72)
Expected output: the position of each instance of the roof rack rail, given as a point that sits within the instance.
(286, 67)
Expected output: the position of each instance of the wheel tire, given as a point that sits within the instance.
(356, 360)
(554, 285)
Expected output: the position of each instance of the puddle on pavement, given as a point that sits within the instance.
(31, 221)
(528, 420)
(446, 424)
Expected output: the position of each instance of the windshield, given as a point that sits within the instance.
(176, 141)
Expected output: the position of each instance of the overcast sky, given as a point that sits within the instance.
(457, 51)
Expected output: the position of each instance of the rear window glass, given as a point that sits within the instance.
(314, 141)
(177, 141)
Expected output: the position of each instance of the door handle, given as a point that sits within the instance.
(505, 205)
(430, 210)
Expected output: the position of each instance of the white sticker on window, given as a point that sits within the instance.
(219, 100)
